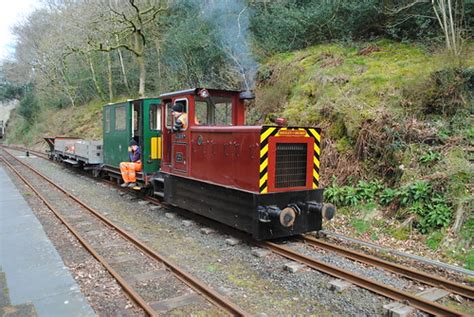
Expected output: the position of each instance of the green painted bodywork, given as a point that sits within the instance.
(149, 165)
(117, 127)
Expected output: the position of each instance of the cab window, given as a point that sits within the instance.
(201, 112)
(214, 111)
(155, 117)
(169, 116)
(170, 119)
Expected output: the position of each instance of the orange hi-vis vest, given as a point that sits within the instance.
(183, 118)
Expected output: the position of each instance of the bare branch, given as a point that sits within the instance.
(408, 6)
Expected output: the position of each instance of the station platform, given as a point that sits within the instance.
(33, 278)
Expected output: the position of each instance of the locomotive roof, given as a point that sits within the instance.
(194, 91)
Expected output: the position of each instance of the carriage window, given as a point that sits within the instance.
(214, 111)
(107, 120)
(155, 117)
(120, 118)
(136, 120)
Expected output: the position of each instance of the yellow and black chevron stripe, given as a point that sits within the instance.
(315, 133)
(269, 131)
(265, 135)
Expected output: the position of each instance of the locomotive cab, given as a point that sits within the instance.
(260, 179)
(140, 120)
(204, 109)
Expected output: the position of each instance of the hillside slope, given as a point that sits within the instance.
(398, 136)
(84, 121)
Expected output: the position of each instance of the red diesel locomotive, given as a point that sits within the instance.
(260, 179)
(263, 180)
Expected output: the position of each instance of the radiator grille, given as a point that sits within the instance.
(290, 165)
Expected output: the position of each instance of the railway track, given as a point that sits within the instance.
(384, 290)
(376, 287)
(104, 240)
(27, 151)
(461, 289)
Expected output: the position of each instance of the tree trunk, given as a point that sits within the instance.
(124, 73)
(453, 32)
(141, 66)
(67, 87)
(122, 66)
(459, 218)
(109, 77)
(158, 52)
(94, 77)
(139, 50)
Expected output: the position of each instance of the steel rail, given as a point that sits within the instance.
(384, 290)
(418, 258)
(125, 286)
(20, 149)
(457, 288)
(201, 288)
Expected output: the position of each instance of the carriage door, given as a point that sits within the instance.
(178, 145)
(152, 135)
(117, 133)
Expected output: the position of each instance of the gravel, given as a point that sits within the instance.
(355, 267)
(256, 282)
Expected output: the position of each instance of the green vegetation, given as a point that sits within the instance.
(280, 26)
(84, 122)
(433, 241)
(429, 157)
(419, 199)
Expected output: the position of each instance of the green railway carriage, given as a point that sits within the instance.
(138, 119)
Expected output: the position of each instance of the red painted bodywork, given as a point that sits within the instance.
(223, 155)
(227, 156)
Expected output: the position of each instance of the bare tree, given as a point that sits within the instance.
(40, 54)
(129, 25)
(450, 15)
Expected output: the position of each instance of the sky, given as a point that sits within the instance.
(11, 12)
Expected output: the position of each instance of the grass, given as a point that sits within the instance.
(361, 226)
(434, 240)
(402, 234)
(469, 260)
(355, 85)
(211, 268)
